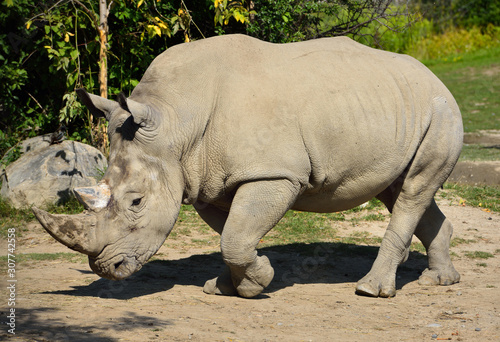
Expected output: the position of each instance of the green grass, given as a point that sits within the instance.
(70, 257)
(486, 197)
(361, 238)
(460, 241)
(13, 218)
(70, 207)
(480, 153)
(478, 255)
(474, 80)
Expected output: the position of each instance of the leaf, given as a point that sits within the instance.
(239, 16)
(140, 3)
(161, 24)
(175, 28)
(28, 24)
(157, 30)
(66, 37)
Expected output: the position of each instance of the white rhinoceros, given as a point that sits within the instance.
(245, 130)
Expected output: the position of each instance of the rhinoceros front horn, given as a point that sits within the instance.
(77, 232)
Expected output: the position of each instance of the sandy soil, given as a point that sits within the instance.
(310, 299)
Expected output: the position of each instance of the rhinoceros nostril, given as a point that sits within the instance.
(118, 264)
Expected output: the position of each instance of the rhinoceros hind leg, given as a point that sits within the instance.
(435, 230)
(414, 210)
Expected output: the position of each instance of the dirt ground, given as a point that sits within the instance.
(479, 173)
(310, 299)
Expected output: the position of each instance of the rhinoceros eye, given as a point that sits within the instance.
(137, 201)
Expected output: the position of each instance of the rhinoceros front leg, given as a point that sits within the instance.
(256, 208)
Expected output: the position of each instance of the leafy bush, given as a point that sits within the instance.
(47, 49)
(479, 13)
(455, 42)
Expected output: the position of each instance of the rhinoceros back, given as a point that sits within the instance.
(332, 114)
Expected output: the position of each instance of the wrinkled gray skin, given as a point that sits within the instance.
(245, 130)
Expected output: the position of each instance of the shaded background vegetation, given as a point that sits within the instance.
(47, 49)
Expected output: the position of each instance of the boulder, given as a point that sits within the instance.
(47, 173)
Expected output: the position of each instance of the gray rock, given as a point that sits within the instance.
(46, 174)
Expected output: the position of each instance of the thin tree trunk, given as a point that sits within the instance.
(103, 38)
(102, 130)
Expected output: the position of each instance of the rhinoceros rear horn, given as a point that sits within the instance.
(98, 106)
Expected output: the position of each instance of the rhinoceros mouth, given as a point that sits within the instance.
(117, 268)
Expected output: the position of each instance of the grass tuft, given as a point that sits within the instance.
(478, 255)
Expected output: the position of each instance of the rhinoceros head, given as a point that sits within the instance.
(133, 209)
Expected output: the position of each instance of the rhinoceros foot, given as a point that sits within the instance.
(222, 285)
(439, 277)
(373, 287)
(250, 281)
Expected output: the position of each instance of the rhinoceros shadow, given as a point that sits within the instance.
(297, 263)
(44, 324)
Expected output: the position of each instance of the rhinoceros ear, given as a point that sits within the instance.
(141, 113)
(98, 106)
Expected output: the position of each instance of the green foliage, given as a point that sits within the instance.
(455, 42)
(281, 21)
(402, 32)
(367, 21)
(49, 49)
(225, 10)
(480, 13)
(12, 154)
(21, 69)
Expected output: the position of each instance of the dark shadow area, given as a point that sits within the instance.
(64, 196)
(497, 147)
(327, 263)
(43, 324)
